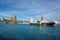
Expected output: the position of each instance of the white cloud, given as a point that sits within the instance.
(5, 15)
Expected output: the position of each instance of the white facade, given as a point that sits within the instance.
(31, 21)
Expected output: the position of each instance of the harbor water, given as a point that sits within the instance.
(29, 32)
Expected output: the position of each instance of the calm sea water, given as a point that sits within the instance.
(28, 32)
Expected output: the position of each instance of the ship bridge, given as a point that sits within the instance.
(43, 20)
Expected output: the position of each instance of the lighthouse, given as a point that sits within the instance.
(31, 21)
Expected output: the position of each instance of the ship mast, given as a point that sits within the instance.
(42, 18)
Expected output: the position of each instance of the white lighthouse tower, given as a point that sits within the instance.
(31, 21)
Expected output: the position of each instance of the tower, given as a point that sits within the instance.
(31, 21)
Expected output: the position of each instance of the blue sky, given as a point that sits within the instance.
(25, 9)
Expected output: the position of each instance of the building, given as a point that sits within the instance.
(12, 19)
(3, 19)
(26, 21)
(31, 21)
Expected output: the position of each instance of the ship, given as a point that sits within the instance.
(43, 22)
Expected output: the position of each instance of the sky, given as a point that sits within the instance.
(25, 9)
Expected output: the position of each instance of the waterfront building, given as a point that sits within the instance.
(12, 19)
(26, 21)
(23, 21)
(3, 20)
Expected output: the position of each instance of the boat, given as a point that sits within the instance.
(43, 23)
